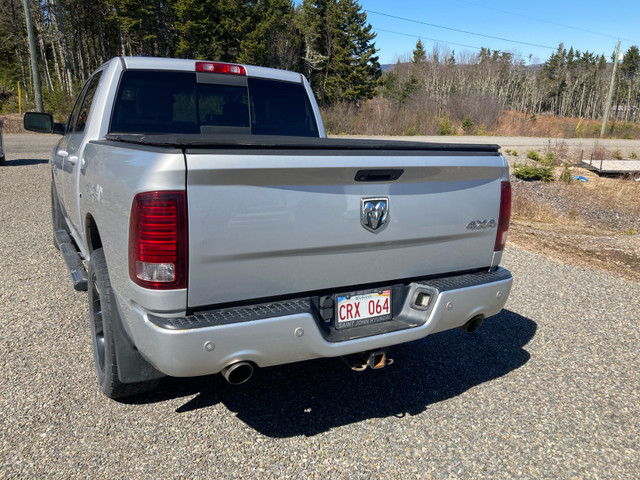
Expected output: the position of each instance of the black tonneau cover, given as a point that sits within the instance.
(272, 142)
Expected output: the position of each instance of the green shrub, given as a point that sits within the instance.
(467, 125)
(633, 155)
(514, 153)
(533, 173)
(444, 126)
(617, 154)
(411, 132)
(549, 159)
(566, 175)
(482, 130)
(533, 155)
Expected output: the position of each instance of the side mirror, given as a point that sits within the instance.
(42, 123)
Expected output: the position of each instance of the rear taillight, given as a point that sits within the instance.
(505, 214)
(217, 67)
(158, 240)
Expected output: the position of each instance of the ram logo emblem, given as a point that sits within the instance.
(374, 213)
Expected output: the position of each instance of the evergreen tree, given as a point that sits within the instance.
(631, 62)
(211, 29)
(272, 40)
(339, 55)
(419, 53)
(362, 66)
(554, 71)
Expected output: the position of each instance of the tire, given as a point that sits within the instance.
(104, 319)
(3, 160)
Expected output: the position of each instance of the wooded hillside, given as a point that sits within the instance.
(328, 40)
(569, 84)
(331, 42)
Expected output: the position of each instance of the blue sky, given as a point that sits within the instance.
(593, 25)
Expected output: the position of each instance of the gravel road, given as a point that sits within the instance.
(547, 389)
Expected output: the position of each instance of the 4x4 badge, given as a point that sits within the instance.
(374, 213)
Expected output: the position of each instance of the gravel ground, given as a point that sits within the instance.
(547, 389)
(564, 201)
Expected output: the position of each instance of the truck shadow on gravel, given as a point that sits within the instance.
(312, 397)
(24, 162)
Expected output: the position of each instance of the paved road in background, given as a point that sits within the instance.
(530, 142)
(547, 389)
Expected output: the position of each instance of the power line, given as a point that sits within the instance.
(547, 21)
(460, 31)
(427, 38)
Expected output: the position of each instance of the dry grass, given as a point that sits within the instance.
(594, 224)
(599, 152)
(560, 150)
(527, 125)
(523, 207)
(613, 195)
(421, 115)
(621, 194)
(381, 117)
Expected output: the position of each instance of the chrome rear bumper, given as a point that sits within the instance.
(290, 331)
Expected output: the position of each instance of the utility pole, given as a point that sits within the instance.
(610, 95)
(34, 57)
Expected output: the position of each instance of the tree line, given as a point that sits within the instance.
(329, 41)
(569, 84)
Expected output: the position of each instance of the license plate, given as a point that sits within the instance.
(363, 309)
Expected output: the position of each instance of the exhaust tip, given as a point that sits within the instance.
(237, 373)
(473, 324)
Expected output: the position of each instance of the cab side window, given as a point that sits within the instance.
(80, 113)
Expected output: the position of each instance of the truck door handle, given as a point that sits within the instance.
(382, 175)
(63, 153)
(72, 159)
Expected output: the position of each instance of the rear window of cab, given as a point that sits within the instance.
(161, 102)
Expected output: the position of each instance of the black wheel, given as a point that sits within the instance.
(3, 160)
(103, 316)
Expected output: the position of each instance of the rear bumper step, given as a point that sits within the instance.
(74, 263)
(278, 333)
(226, 316)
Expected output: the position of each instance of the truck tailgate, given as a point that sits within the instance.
(265, 223)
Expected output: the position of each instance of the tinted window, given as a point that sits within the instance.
(280, 108)
(73, 116)
(80, 122)
(173, 102)
(155, 102)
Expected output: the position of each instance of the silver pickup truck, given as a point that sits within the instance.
(223, 231)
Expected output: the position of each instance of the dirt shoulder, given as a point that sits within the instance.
(595, 224)
(611, 251)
